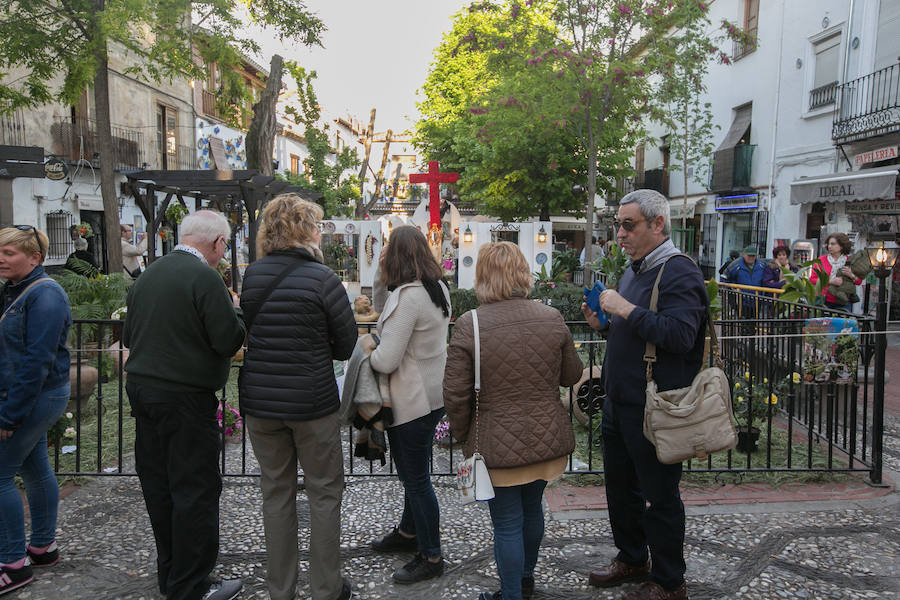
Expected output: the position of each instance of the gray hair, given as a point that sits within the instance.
(81, 244)
(652, 204)
(205, 226)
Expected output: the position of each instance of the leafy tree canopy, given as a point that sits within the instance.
(512, 164)
(325, 166)
(46, 38)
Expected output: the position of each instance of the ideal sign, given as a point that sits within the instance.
(864, 158)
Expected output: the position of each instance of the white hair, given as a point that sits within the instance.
(205, 226)
(652, 204)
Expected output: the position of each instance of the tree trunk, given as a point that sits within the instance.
(107, 156)
(684, 158)
(261, 135)
(361, 208)
(379, 179)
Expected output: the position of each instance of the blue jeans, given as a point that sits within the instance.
(411, 453)
(518, 519)
(25, 453)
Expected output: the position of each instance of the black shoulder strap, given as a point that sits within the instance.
(250, 315)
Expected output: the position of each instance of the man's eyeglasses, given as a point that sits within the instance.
(628, 224)
(36, 237)
(226, 242)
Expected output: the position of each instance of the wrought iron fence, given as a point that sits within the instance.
(822, 95)
(769, 348)
(869, 106)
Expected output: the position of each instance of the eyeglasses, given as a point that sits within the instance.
(225, 241)
(36, 237)
(628, 225)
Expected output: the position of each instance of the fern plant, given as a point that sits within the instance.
(93, 298)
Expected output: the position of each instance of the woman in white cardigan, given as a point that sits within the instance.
(413, 351)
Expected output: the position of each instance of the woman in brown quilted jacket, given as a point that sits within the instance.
(523, 430)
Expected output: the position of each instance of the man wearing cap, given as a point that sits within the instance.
(747, 271)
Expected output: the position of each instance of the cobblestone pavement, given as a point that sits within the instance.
(820, 549)
(824, 549)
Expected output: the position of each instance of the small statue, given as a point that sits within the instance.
(364, 313)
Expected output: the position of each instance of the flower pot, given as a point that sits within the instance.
(747, 439)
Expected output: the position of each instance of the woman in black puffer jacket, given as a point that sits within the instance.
(289, 398)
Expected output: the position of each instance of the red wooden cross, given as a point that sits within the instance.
(434, 178)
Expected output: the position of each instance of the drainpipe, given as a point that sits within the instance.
(775, 124)
(844, 68)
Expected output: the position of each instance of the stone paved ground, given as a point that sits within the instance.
(813, 547)
(821, 549)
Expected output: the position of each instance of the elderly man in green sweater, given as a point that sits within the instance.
(182, 329)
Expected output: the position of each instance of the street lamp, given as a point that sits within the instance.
(542, 235)
(882, 257)
(467, 235)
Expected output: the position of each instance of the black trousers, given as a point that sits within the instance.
(646, 514)
(176, 452)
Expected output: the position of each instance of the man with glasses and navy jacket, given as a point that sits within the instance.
(182, 328)
(645, 509)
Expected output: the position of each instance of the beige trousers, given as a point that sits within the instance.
(278, 445)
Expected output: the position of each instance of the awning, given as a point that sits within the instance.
(868, 184)
(738, 128)
(676, 207)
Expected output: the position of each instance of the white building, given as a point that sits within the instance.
(777, 105)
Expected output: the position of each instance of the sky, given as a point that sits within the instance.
(376, 55)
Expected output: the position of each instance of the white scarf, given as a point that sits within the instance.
(837, 263)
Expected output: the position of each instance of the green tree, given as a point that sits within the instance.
(326, 167)
(47, 38)
(593, 75)
(511, 163)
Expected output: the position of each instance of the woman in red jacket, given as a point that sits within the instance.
(834, 263)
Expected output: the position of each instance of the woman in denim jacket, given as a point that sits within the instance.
(34, 390)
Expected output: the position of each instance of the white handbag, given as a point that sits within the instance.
(472, 475)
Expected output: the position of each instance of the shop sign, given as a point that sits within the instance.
(55, 169)
(86, 202)
(877, 155)
(740, 202)
(883, 207)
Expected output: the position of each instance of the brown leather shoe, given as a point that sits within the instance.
(617, 572)
(654, 591)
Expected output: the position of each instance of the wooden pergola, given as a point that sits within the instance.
(230, 192)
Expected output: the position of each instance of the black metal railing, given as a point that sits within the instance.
(823, 95)
(809, 422)
(77, 140)
(869, 106)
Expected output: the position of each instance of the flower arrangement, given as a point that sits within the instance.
(754, 400)
(165, 233)
(85, 230)
(230, 419)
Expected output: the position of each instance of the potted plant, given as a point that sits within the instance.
(613, 265)
(752, 401)
(564, 264)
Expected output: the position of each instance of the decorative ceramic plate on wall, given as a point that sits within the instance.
(329, 227)
(467, 261)
(350, 228)
(541, 258)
